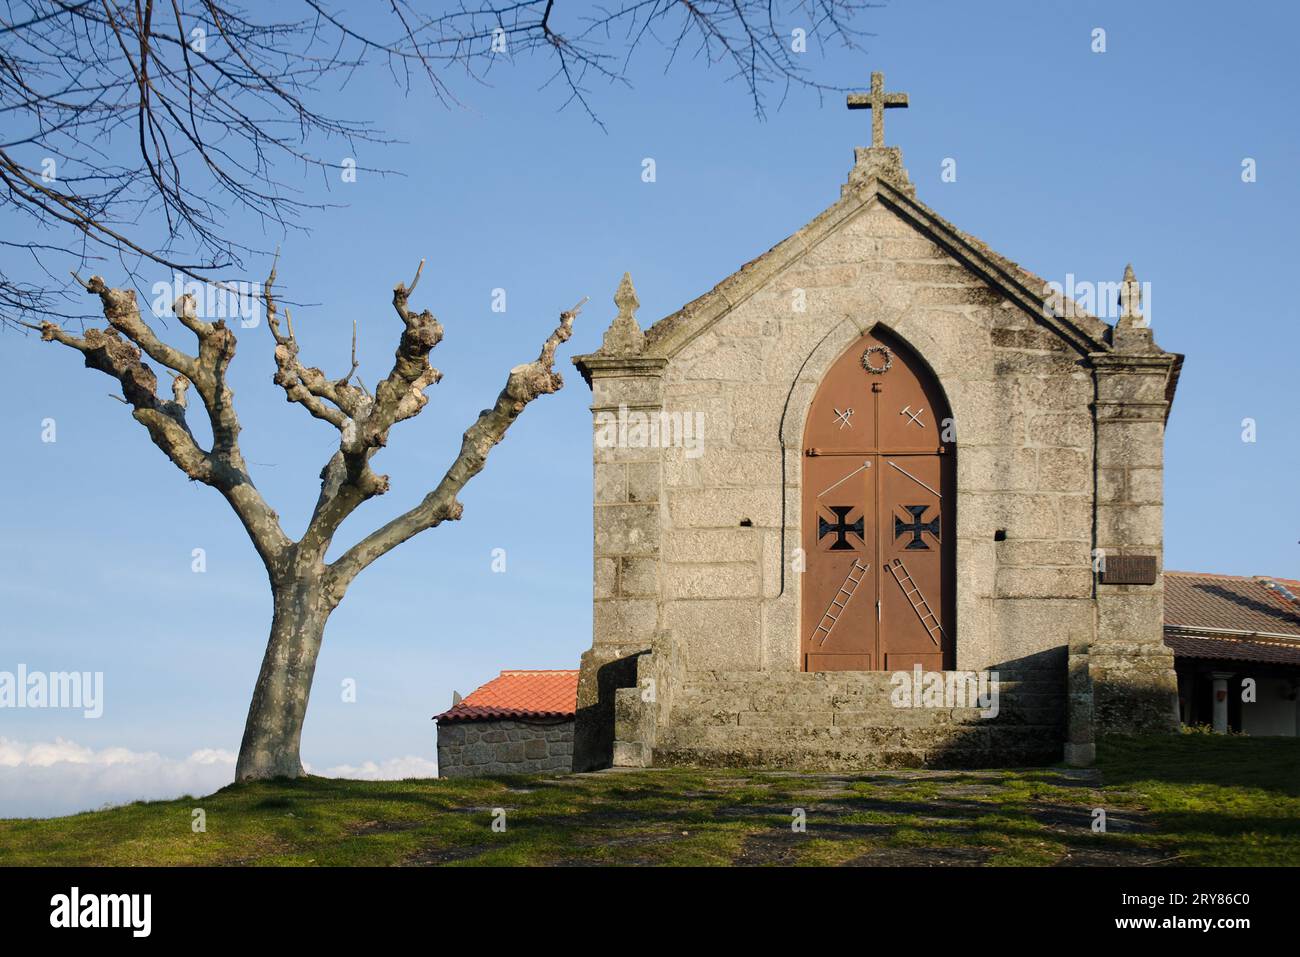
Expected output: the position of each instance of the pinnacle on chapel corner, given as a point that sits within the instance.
(627, 302)
(624, 335)
(1132, 331)
(1130, 296)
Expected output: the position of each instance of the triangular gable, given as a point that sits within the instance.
(1083, 331)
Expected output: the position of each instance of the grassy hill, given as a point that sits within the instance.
(1194, 799)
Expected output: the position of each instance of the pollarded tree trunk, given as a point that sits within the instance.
(273, 731)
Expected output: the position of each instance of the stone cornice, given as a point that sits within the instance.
(1167, 364)
(598, 365)
(1141, 363)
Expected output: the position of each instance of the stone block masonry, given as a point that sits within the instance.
(480, 748)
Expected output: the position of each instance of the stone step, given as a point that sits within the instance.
(854, 759)
(716, 705)
(848, 720)
(1006, 671)
(877, 681)
(821, 693)
(879, 717)
(864, 737)
(886, 717)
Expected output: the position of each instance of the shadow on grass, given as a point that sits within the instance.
(1235, 761)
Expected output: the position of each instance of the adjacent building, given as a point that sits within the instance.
(1236, 645)
(520, 722)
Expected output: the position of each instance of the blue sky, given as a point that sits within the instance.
(1068, 162)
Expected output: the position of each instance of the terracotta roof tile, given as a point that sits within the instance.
(518, 694)
(1284, 591)
(1233, 648)
(1231, 603)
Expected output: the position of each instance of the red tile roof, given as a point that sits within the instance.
(1233, 648)
(1232, 617)
(518, 694)
(1285, 591)
(1232, 603)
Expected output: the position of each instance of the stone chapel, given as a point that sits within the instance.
(878, 465)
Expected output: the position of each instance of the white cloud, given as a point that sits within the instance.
(394, 769)
(50, 778)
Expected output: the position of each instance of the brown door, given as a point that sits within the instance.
(878, 516)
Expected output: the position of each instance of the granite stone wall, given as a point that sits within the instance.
(691, 541)
(478, 748)
(1021, 402)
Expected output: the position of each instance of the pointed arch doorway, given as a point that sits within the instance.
(878, 515)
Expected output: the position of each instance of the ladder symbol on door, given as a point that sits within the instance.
(840, 601)
(929, 620)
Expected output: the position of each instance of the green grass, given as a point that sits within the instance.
(1230, 800)
(1187, 800)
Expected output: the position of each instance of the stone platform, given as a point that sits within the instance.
(843, 721)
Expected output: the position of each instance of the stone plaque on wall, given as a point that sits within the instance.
(1129, 570)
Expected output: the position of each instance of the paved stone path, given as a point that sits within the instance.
(873, 819)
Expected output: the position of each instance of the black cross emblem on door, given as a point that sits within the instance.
(840, 529)
(916, 527)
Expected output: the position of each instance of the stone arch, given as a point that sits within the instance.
(882, 594)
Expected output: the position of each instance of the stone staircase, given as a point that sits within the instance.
(843, 721)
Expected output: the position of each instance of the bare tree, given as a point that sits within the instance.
(304, 587)
(132, 129)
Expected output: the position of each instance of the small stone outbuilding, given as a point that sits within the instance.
(520, 722)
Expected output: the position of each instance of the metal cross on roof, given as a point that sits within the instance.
(877, 101)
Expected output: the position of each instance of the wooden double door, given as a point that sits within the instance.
(878, 518)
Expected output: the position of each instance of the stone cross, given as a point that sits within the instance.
(877, 101)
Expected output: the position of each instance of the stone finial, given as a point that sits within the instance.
(884, 162)
(624, 335)
(627, 302)
(1132, 332)
(1130, 298)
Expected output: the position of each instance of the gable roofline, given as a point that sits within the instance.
(1067, 318)
(1083, 331)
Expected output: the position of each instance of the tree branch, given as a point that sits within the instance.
(117, 352)
(524, 384)
(161, 126)
(347, 480)
(309, 387)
